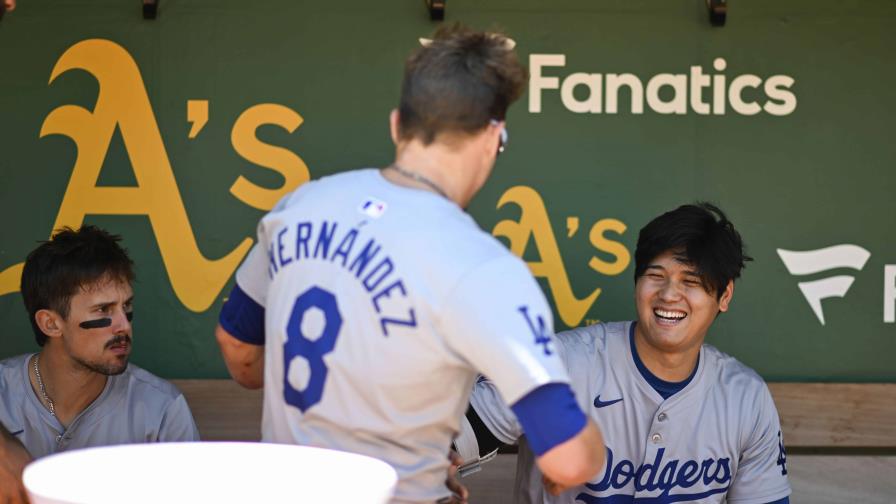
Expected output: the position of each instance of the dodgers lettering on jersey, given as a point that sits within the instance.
(324, 241)
(716, 440)
(664, 475)
(381, 303)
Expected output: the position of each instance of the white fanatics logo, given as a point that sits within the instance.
(815, 261)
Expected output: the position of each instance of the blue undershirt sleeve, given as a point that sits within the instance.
(785, 500)
(243, 318)
(549, 416)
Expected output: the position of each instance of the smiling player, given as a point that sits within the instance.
(683, 422)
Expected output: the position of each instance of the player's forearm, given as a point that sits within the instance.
(576, 460)
(244, 361)
(13, 459)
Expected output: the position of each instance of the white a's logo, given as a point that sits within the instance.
(815, 261)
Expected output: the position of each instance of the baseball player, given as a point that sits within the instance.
(79, 390)
(371, 299)
(683, 421)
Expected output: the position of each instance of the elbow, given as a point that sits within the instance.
(244, 362)
(249, 379)
(577, 471)
(248, 373)
(576, 461)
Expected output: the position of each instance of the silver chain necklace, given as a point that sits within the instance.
(419, 178)
(40, 384)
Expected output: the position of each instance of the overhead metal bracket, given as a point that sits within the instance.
(718, 11)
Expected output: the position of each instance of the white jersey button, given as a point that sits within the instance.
(662, 417)
(656, 438)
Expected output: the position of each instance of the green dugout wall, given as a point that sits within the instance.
(179, 133)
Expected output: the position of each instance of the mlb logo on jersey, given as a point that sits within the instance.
(373, 207)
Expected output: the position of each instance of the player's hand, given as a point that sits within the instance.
(553, 487)
(10, 5)
(13, 459)
(461, 494)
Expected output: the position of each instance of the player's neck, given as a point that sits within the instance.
(70, 386)
(668, 366)
(446, 166)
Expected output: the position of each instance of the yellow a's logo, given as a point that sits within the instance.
(534, 223)
(123, 103)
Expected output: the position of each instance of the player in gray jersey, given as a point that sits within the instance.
(132, 407)
(372, 299)
(79, 390)
(683, 421)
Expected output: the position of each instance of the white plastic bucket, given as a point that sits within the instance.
(192, 473)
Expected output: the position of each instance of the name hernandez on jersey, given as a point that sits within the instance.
(325, 241)
(372, 297)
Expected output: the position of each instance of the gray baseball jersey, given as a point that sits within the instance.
(381, 304)
(134, 407)
(718, 438)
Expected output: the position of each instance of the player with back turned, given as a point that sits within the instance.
(372, 300)
(683, 421)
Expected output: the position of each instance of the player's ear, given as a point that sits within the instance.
(393, 126)
(727, 294)
(496, 129)
(49, 322)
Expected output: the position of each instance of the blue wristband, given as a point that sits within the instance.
(243, 318)
(549, 416)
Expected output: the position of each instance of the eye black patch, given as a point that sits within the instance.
(103, 322)
(96, 324)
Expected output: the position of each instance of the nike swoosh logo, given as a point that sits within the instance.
(16, 433)
(602, 404)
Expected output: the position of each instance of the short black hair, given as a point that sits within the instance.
(699, 235)
(70, 260)
(458, 82)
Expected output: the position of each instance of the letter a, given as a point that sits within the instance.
(123, 103)
(534, 222)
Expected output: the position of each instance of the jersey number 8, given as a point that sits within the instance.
(305, 346)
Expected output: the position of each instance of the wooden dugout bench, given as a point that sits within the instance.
(841, 438)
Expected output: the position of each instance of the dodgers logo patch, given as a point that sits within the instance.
(539, 329)
(782, 455)
(373, 207)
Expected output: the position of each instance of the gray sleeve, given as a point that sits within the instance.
(494, 412)
(497, 319)
(177, 423)
(762, 472)
(252, 275)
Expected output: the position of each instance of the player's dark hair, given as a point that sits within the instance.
(458, 82)
(70, 260)
(699, 235)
